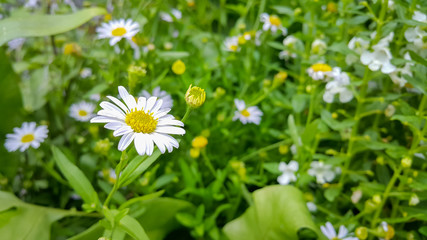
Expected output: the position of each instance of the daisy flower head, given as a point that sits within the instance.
(82, 111)
(288, 172)
(246, 114)
(232, 44)
(116, 30)
(323, 172)
(272, 23)
(142, 121)
(339, 85)
(318, 47)
(25, 136)
(329, 231)
(169, 17)
(319, 71)
(160, 94)
(86, 72)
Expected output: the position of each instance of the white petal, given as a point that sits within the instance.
(170, 130)
(140, 143)
(125, 141)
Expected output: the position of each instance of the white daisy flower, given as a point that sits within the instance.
(339, 85)
(319, 71)
(318, 47)
(160, 94)
(416, 36)
(16, 43)
(246, 115)
(397, 75)
(232, 44)
(116, 30)
(95, 97)
(143, 121)
(311, 206)
(329, 231)
(169, 17)
(358, 45)
(82, 111)
(288, 172)
(323, 172)
(272, 23)
(380, 56)
(26, 136)
(86, 72)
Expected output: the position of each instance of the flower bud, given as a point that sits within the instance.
(361, 233)
(283, 149)
(103, 146)
(72, 49)
(195, 152)
(178, 67)
(414, 200)
(279, 78)
(195, 96)
(376, 199)
(199, 142)
(406, 162)
(219, 92)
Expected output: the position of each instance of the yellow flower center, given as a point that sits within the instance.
(274, 20)
(199, 142)
(241, 40)
(118, 32)
(82, 113)
(321, 67)
(27, 138)
(233, 48)
(245, 113)
(335, 238)
(140, 121)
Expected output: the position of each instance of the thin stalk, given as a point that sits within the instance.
(267, 148)
(119, 169)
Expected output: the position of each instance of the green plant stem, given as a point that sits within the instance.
(380, 21)
(267, 148)
(187, 113)
(208, 162)
(119, 169)
(311, 107)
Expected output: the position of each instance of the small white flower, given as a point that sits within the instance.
(116, 30)
(246, 114)
(82, 111)
(319, 71)
(359, 45)
(16, 43)
(26, 136)
(390, 110)
(318, 47)
(356, 196)
(311, 207)
(380, 57)
(31, 4)
(419, 16)
(339, 85)
(95, 97)
(323, 172)
(397, 75)
(232, 44)
(258, 37)
(329, 231)
(160, 94)
(290, 41)
(86, 72)
(414, 200)
(169, 17)
(294, 149)
(272, 23)
(288, 172)
(141, 120)
(416, 36)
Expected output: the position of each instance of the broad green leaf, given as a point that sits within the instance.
(334, 124)
(171, 55)
(133, 228)
(38, 25)
(278, 212)
(75, 177)
(94, 232)
(299, 102)
(35, 89)
(19, 220)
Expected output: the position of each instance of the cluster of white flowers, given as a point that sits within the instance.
(380, 57)
(329, 231)
(338, 85)
(290, 42)
(247, 114)
(417, 35)
(175, 14)
(323, 172)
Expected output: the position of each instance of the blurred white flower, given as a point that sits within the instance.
(86, 72)
(95, 97)
(358, 45)
(339, 85)
(356, 196)
(160, 94)
(141, 120)
(170, 17)
(323, 172)
(82, 111)
(246, 114)
(16, 43)
(397, 75)
(116, 30)
(272, 23)
(380, 57)
(318, 47)
(417, 35)
(288, 172)
(329, 231)
(311, 207)
(285, 54)
(25, 136)
(390, 110)
(232, 44)
(31, 4)
(419, 16)
(414, 200)
(290, 41)
(319, 71)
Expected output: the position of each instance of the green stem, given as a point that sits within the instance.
(380, 22)
(311, 108)
(187, 113)
(208, 162)
(119, 168)
(267, 148)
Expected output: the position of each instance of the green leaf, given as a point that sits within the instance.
(334, 124)
(94, 232)
(172, 55)
(38, 25)
(299, 102)
(132, 227)
(75, 177)
(278, 212)
(19, 220)
(35, 89)
(417, 58)
(423, 230)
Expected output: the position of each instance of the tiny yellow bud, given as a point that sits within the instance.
(137, 70)
(191, 3)
(309, 88)
(415, 174)
(195, 152)
(370, 205)
(308, 196)
(199, 142)
(332, 7)
(376, 199)
(414, 200)
(361, 233)
(108, 17)
(406, 162)
(195, 96)
(219, 92)
(334, 115)
(72, 49)
(103, 146)
(279, 78)
(380, 160)
(283, 149)
(178, 67)
(410, 180)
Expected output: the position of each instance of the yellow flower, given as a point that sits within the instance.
(195, 96)
(199, 142)
(279, 78)
(362, 233)
(195, 152)
(72, 49)
(283, 149)
(107, 17)
(332, 7)
(178, 67)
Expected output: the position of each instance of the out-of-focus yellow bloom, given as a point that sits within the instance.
(334, 115)
(406, 162)
(72, 49)
(280, 78)
(195, 152)
(108, 17)
(199, 142)
(332, 7)
(361, 233)
(376, 199)
(195, 96)
(191, 3)
(178, 67)
(283, 149)
(386, 231)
